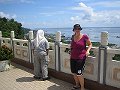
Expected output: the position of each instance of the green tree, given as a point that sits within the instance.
(8, 25)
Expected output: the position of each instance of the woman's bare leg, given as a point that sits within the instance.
(81, 81)
(76, 79)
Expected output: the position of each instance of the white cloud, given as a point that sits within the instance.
(52, 13)
(17, 1)
(34, 24)
(88, 16)
(4, 1)
(14, 16)
(2, 14)
(88, 11)
(75, 19)
(26, 1)
(108, 16)
(106, 3)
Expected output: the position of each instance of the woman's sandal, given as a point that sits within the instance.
(76, 87)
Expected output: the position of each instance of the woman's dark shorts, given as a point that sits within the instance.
(77, 66)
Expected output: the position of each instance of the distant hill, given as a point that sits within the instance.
(8, 25)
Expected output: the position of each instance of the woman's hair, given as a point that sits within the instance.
(77, 26)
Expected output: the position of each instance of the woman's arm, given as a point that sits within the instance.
(88, 42)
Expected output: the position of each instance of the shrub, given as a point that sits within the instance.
(5, 53)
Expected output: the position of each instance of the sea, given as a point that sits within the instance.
(94, 33)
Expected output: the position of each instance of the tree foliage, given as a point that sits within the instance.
(5, 53)
(8, 25)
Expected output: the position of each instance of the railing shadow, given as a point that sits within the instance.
(59, 85)
(22, 67)
(25, 79)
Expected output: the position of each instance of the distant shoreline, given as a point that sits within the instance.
(71, 27)
(67, 40)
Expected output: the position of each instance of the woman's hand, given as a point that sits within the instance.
(87, 53)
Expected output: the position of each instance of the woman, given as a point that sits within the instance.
(78, 55)
(41, 47)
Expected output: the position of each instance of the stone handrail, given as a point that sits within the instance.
(99, 67)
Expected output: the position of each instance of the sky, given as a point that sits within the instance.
(62, 13)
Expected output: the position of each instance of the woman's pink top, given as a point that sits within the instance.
(78, 48)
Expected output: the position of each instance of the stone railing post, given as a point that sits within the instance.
(30, 46)
(102, 58)
(12, 43)
(0, 38)
(57, 51)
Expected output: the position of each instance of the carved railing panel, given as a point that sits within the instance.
(52, 56)
(113, 68)
(91, 65)
(21, 49)
(65, 58)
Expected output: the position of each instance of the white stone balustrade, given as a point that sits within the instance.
(91, 65)
(91, 69)
(113, 68)
(65, 58)
(21, 49)
(52, 56)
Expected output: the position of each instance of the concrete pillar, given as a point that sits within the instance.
(58, 36)
(30, 46)
(104, 38)
(102, 58)
(12, 42)
(12, 34)
(57, 51)
(30, 35)
(0, 38)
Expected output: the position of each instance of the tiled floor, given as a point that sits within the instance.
(21, 78)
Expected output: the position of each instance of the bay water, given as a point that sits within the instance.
(94, 33)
